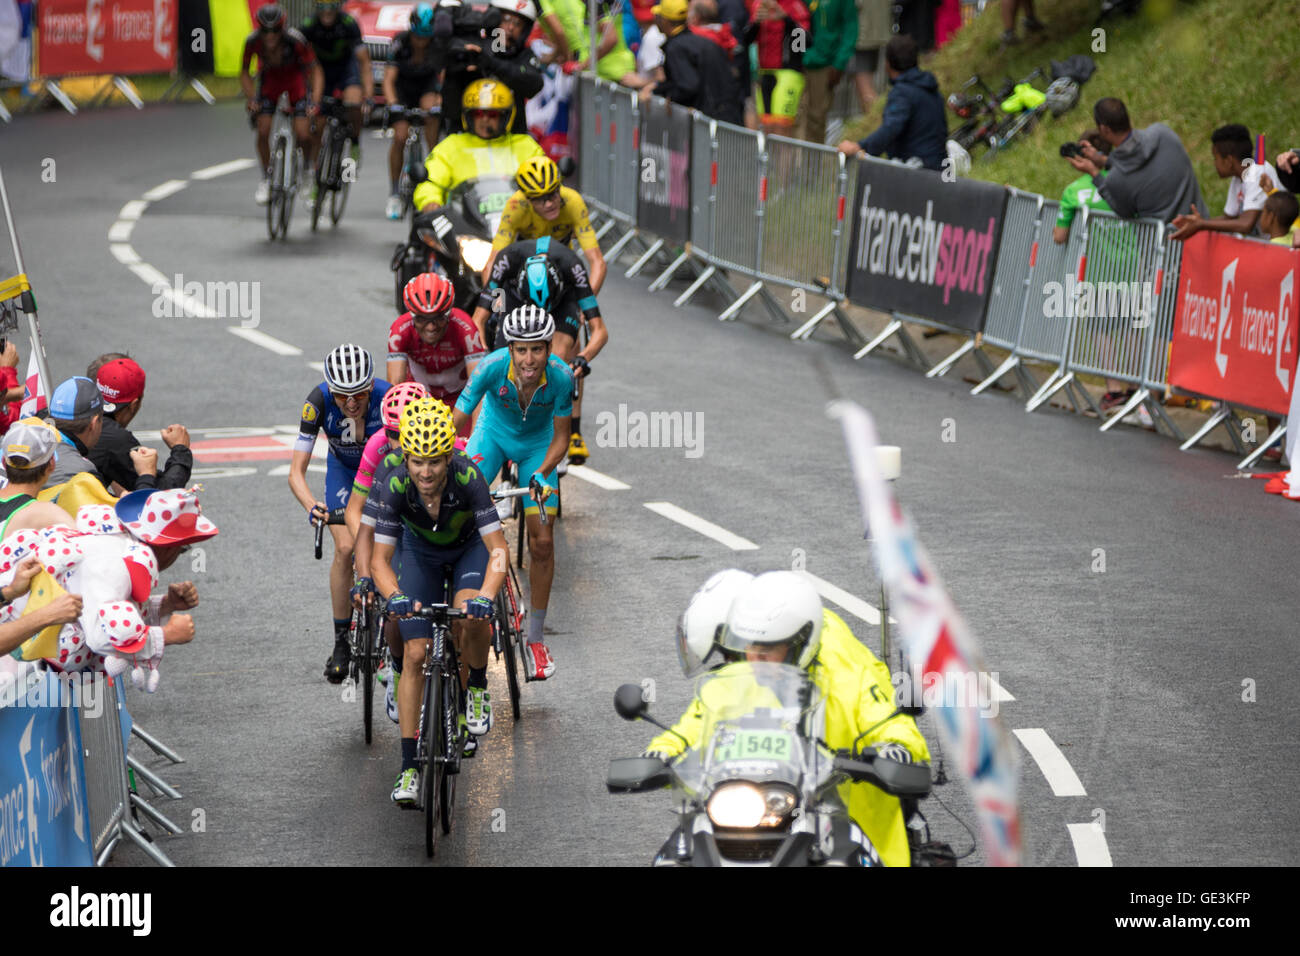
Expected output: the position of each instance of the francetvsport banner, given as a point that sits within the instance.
(43, 814)
(1235, 321)
(663, 184)
(924, 246)
(105, 36)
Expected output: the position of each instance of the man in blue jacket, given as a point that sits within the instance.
(914, 126)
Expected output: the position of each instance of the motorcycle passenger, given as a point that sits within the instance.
(284, 58)
(501, 52)
(342, 65)
(485, 149)
(778, 617)
(413, 77)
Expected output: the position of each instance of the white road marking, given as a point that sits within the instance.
(149, 274)
(221, 169)
(166, 189)
(597, 478)
(264, 340)
(120, 231)
(318, 366)
(707, 528)
(282, 471)
(1060, 775)
(1090, 847)
(855, 606)
(133, 210)
(223, 471)
(124, 254)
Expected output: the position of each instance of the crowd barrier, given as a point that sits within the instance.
(962, 256)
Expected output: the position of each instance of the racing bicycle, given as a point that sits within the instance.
(333, 171)
(441, 732)
(286, 170)
(413, 154)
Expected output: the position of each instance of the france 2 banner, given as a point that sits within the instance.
(106, 36)
(1235, 324)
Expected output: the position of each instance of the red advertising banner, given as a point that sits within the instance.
(105, 36)
(1236, 318)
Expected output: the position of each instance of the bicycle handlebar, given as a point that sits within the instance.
(335, 516)
(439, 612)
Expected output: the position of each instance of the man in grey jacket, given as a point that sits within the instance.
(1149, 173)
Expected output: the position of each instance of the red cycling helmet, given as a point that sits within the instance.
(395, 401)
(429, 294)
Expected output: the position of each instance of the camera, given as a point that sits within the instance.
(1069, 150)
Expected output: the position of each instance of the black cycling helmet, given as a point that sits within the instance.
(270, 17)
(539, 281)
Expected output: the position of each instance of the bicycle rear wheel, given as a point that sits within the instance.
(338, 200)
(435, 749)
(367, 677)
(452, 698)
(275, 202)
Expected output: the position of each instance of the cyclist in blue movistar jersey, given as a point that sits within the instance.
(437, 506)
(348, 406)
(527, 396)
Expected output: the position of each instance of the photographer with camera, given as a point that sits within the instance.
(490, 41)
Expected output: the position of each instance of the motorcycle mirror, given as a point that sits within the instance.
(567, 166)
(629, 702)
(903, 779)
(418, 172)
(637, 774)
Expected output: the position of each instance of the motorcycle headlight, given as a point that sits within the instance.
(475, 252)
(745, 806)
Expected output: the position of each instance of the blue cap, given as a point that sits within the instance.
(76, 401)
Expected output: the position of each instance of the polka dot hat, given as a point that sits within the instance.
(164, 517)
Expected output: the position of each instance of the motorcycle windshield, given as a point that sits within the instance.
(759, 721)
(484, 198)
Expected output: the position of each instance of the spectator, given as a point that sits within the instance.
(875, 20)
(696, 71)
(735, 14)
(914, 127)
(121, 383)
(1150, 173)
(11, 389)
(1288, 170)
(834, 35)
(64, 609)
(1009, 10)
(1232, 149)
(78, 413)
(947, 21)
(614, 61)
(702, 20)
(1278, 217)
(28, 457)
(650, 55)
(565, 23)
(916, 19)
(778, 30)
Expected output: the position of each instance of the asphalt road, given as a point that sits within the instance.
(1135, 672)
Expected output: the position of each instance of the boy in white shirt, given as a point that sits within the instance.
(1232, 149)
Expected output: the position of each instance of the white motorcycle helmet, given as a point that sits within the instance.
(777, 607)
(701, 623)
(524, 8)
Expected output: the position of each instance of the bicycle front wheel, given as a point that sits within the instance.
(435, 749)
(275, 203)
(507, 639)
(452, 701)
(338, 200)
(366, 628)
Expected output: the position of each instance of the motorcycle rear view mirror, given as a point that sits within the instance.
(630, 702)
(418, 172)
(567, 166)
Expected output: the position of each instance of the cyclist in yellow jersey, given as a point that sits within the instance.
(486, 149)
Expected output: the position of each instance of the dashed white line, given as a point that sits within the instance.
(163, 190)
(707, 528)
(318, 366)
(1060, 775)
(281, 471)
(264, 340)
(120, 231)
(597, 479)
(1090, 847)
(221, 169)
(133, 209)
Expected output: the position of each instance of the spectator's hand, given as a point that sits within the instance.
(1187, 225)
(9, 357)
(27, 569)
(645, 93)
(145, 460)
(1266, 184)
(176, 435)
(178, 630)
(1287, 161)
(849, 148)
(64, 609)
(1084, 165)
(769, 10)
(181, 596)
(835, 77)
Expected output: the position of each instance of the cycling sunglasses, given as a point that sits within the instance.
(552, 196)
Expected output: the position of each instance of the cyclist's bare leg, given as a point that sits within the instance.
(395, 150)
(392, 634)
(264, 139)
(411, 690)
(352, 113)
(341, 572)
(541, 564)
(431, 123)
(302, 133)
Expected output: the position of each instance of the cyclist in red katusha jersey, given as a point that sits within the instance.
(433, 343)
(284, 61)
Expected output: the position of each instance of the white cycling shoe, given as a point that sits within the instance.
(478, 711)
(394, 208)
(263, 194)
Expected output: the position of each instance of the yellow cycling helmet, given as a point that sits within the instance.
(538, 176)
(426, 429)
(487, 95)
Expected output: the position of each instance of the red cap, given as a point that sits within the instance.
(121, 382)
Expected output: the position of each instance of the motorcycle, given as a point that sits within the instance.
(761, 787)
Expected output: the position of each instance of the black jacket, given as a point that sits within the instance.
(111, 456)
(520, 71)
(914, 123)
(698, 74)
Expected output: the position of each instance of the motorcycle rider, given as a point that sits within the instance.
(500, 51)
(778, 617)
(486, 148)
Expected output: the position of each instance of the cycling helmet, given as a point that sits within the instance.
(520, 8)
(1062, 95)
(324, 5)
(488, 95)
(270, 17)
(349, 370)
(539, 281)
(429, 294)
(778, 607)
(427, 430)
(395, 401)
(528, 323)
(422, 20)
(538, 176)
(705, 616)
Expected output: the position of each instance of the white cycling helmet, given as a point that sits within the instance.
(521, 8)
(528, 323)
(777, 607)
(349, 370)
(701, 624)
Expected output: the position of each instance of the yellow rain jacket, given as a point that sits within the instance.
(464, 156)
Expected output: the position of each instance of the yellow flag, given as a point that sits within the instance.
(44, 590)
(81, 489)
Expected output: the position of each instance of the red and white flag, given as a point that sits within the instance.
(34, 401)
